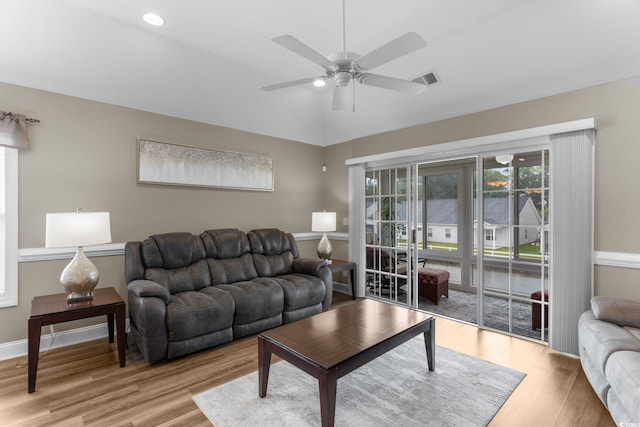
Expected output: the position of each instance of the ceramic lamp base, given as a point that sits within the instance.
(324, 247)
(79, 278)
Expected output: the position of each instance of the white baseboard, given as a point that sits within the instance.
(11, 350)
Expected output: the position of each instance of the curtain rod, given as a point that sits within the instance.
(10, 114)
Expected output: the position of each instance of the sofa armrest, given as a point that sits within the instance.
(307, 266)
(617, 311)
(148, 288)
(320, 269)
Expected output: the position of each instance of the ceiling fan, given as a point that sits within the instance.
(344, 67)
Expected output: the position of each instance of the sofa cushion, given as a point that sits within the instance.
(228, 256)
(255, 300)
(191, 278)
(190, 314)
(172, 250)
(273, 251)
(225, 243)
(232, 270)
(623, 374)
(603, 339)
(176, 261)
(614, 310)
(300, 290)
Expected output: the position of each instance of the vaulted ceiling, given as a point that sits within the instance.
(210, 58)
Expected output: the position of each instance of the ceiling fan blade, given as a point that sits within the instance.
(341, 97)
(391, 83)
(390, 51)
(283, 85)
(296, 46)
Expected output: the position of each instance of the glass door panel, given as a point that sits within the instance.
(440, 230)
(515, 203)
(388, 213)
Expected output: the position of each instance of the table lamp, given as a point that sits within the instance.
(323, 222)
(79, 229)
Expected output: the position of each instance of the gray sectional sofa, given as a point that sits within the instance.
(609, 338)
(187, 292)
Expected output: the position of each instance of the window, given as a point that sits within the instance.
(488, 235)
(8, 227)
(447, 233)
(429, 232)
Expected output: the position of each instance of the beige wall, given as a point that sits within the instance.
(616, 106)
(83, 154)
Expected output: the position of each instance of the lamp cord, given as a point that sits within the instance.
(53, 336)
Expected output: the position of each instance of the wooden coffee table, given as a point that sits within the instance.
(329, 345)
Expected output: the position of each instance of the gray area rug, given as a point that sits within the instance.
(396, 389)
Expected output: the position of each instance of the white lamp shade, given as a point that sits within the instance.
(77, 229)
(323, 221)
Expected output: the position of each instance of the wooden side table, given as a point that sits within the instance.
(52, 309)
(338, 265)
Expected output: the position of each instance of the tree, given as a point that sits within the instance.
(442, 187)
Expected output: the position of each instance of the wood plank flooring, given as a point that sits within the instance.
(83, 384)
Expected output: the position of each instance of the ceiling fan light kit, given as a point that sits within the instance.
(345, 67)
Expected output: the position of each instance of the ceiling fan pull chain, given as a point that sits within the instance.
(353, 97)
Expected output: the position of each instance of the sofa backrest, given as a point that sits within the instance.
(184, 262)
(228, 255)
(176, 261)
(273, 251)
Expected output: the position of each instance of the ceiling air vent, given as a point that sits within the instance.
(428, 79)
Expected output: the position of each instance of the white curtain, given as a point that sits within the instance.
(13, 130)
(572, 163)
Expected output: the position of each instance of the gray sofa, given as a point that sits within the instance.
(609, 338)
(187, 292)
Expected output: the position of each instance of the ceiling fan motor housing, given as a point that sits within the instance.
(345, 69)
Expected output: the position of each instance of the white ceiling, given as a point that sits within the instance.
(209, 60)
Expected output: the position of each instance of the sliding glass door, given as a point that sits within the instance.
(513, 252)
(426, 215)
(390, 215)
(447, 234)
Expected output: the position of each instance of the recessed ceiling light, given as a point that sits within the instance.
(320, 82)
(153, 19)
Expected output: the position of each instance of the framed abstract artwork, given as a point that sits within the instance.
(172, 164)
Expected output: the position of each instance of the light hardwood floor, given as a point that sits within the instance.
(84, 385)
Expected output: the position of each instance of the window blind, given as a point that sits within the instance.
(572, 177)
